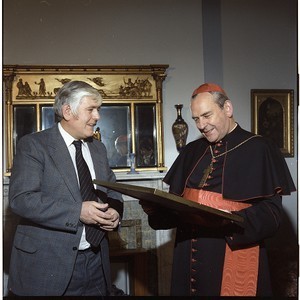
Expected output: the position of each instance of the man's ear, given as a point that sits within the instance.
(66, 111)
(228, 107)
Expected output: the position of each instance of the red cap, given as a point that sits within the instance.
(208, 87)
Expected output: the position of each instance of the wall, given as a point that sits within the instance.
(259, 52)
(248, 44)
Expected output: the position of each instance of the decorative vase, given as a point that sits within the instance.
(180, 129)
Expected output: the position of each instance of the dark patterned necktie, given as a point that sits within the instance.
(93, 233)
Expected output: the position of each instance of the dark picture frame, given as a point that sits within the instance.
(272, 117)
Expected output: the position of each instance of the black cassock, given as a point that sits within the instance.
(246, 168)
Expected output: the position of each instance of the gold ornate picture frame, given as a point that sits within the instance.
(130, 115)
(272, 117)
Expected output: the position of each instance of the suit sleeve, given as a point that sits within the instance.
(104, 172)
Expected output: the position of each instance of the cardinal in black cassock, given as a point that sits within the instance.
(231, 169)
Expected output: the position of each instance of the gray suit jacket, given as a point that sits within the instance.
(44, 192)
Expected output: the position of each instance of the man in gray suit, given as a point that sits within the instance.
(52, 254)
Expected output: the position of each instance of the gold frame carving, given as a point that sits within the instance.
(118, 85)
(272, 116)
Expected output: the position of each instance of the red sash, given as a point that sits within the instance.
(240, 269)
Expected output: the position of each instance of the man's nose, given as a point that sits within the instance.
(201, 124)
(96, 115)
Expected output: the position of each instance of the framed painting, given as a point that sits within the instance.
(272, 117)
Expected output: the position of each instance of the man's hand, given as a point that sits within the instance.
(148, 208)
(100, 214)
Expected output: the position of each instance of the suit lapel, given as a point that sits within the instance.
(62, 159)
(94, 152)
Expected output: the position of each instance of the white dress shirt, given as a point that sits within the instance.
(87, 157)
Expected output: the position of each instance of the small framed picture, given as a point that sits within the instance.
(272, 117)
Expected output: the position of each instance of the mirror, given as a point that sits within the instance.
(130, 116)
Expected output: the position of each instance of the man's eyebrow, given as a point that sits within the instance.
(203, 115)
(93, 106)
